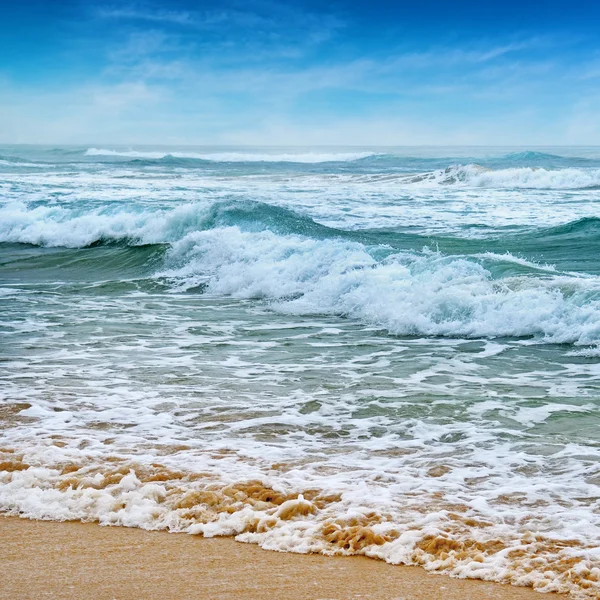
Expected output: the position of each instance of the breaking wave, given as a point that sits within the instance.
(254, 250)
(73, 227)
(405, 293)
(474, 175)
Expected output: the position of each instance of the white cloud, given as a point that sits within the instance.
(76, 114)
(156, 84)
(144, 13)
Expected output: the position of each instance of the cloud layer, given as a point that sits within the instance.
(288, 73)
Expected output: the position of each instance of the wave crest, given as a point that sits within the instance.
(406, 293)
(254, 250)
(474, 175)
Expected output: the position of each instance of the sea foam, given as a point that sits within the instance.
(474, 175)
(406, 293)
(463, 541)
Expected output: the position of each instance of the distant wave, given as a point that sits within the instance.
(309, 157)
(474, 175)
(532, 155)
(536, 157)
(528, 169)
(12, 161)
(588, 227)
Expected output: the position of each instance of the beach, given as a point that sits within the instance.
(42, 559)
(299, 300)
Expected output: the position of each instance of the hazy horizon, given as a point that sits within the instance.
(121, 145)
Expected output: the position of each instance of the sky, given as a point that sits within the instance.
(265, 72)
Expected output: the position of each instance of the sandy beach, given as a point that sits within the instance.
(42, 559)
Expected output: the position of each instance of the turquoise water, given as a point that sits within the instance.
(411, 331)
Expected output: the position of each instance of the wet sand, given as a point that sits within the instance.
(41, 559)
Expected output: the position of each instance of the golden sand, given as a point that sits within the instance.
(42, 559)
(188, 501)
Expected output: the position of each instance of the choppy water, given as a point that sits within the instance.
(408, 338)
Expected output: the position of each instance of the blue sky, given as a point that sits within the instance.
(292, 73)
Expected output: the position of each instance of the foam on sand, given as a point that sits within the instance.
(99, 562)
(427, 531)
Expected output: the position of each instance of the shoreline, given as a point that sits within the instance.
(65, 560)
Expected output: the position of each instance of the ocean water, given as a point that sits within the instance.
(392, 352)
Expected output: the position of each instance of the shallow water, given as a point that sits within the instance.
(409, 338)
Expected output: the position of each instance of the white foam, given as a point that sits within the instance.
(55, 226)
(18, 163)
(406, 293)
(591, 352)
(523, 177)
(299, 525)
(530, 415)
(507, 257)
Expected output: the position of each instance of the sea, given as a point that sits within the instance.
(392, 352)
